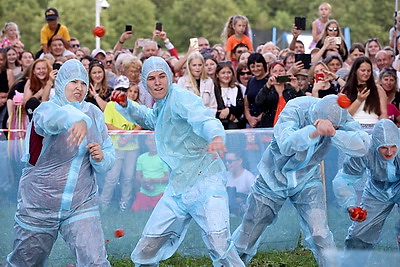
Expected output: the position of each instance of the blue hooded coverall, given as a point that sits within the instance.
(183, 127)
(381, 193)
(58, 192)
(290, 169)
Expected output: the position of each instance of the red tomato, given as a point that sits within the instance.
(99, 31)
(356, 212)
(120, 99)
(119, 233)
(361, 213)
(343, 101)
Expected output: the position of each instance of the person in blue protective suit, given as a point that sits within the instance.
(68, 143)
(190, 140)
(381, 193)
(289, 169)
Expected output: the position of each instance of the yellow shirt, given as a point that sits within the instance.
(113, 117)
(46, 33)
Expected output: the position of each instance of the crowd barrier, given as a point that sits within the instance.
(250, 144)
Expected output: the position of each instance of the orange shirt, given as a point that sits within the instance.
(279, 108)
(232, 42)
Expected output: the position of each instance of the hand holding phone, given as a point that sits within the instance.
(304, 58)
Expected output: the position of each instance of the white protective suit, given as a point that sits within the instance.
(290, 169)
(381, 193)
(58, 191)
(196, 190)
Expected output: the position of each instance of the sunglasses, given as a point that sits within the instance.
(244, 72)
(332, 29)
(109, 62)
(372, 39)
(76, 45)
(225, 63)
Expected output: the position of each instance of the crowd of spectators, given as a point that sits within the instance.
(246, 85)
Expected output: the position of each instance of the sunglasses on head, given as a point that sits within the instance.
(244, 72)
(225, 63)
(372, 39)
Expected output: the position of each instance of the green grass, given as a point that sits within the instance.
(298, 257)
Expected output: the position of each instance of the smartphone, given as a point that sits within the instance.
(361, 87)
(56, 66)
(304, 58)
(338, 40)
(300, 23)
(319, 76)
(128, 27)
(283, 79)
(194, 42)
(159, 26)
(140, 42)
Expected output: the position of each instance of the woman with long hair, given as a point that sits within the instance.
(369, 101)
(37, 88)
(99, 93)
(332, 29)
(195, 80)
(229, 97)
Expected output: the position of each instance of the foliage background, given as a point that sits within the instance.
(184, 19)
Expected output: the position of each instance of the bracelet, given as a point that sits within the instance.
(96, 95)
(119, 41)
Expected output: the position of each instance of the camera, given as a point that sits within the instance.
(104, 4)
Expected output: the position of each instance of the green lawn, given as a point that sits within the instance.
(298, 257)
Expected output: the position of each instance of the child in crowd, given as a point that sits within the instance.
(236, 31)
(126, 149)
(318, 25)
(152, 173)
(10, 35)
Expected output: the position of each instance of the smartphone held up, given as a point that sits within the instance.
(300, 23)
(194, 43)
(159, 26)
(128, 27)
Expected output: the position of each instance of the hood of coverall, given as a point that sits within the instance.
(385, 133)
(71, 70)
(327, 108)
(156, 64)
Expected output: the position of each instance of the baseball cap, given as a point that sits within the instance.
(97, 51)
(51, 14)
(302, 72)
(121, 82)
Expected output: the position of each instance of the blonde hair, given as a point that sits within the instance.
(6, 26)
(189, 74)
(228, 29)
(325, 4)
